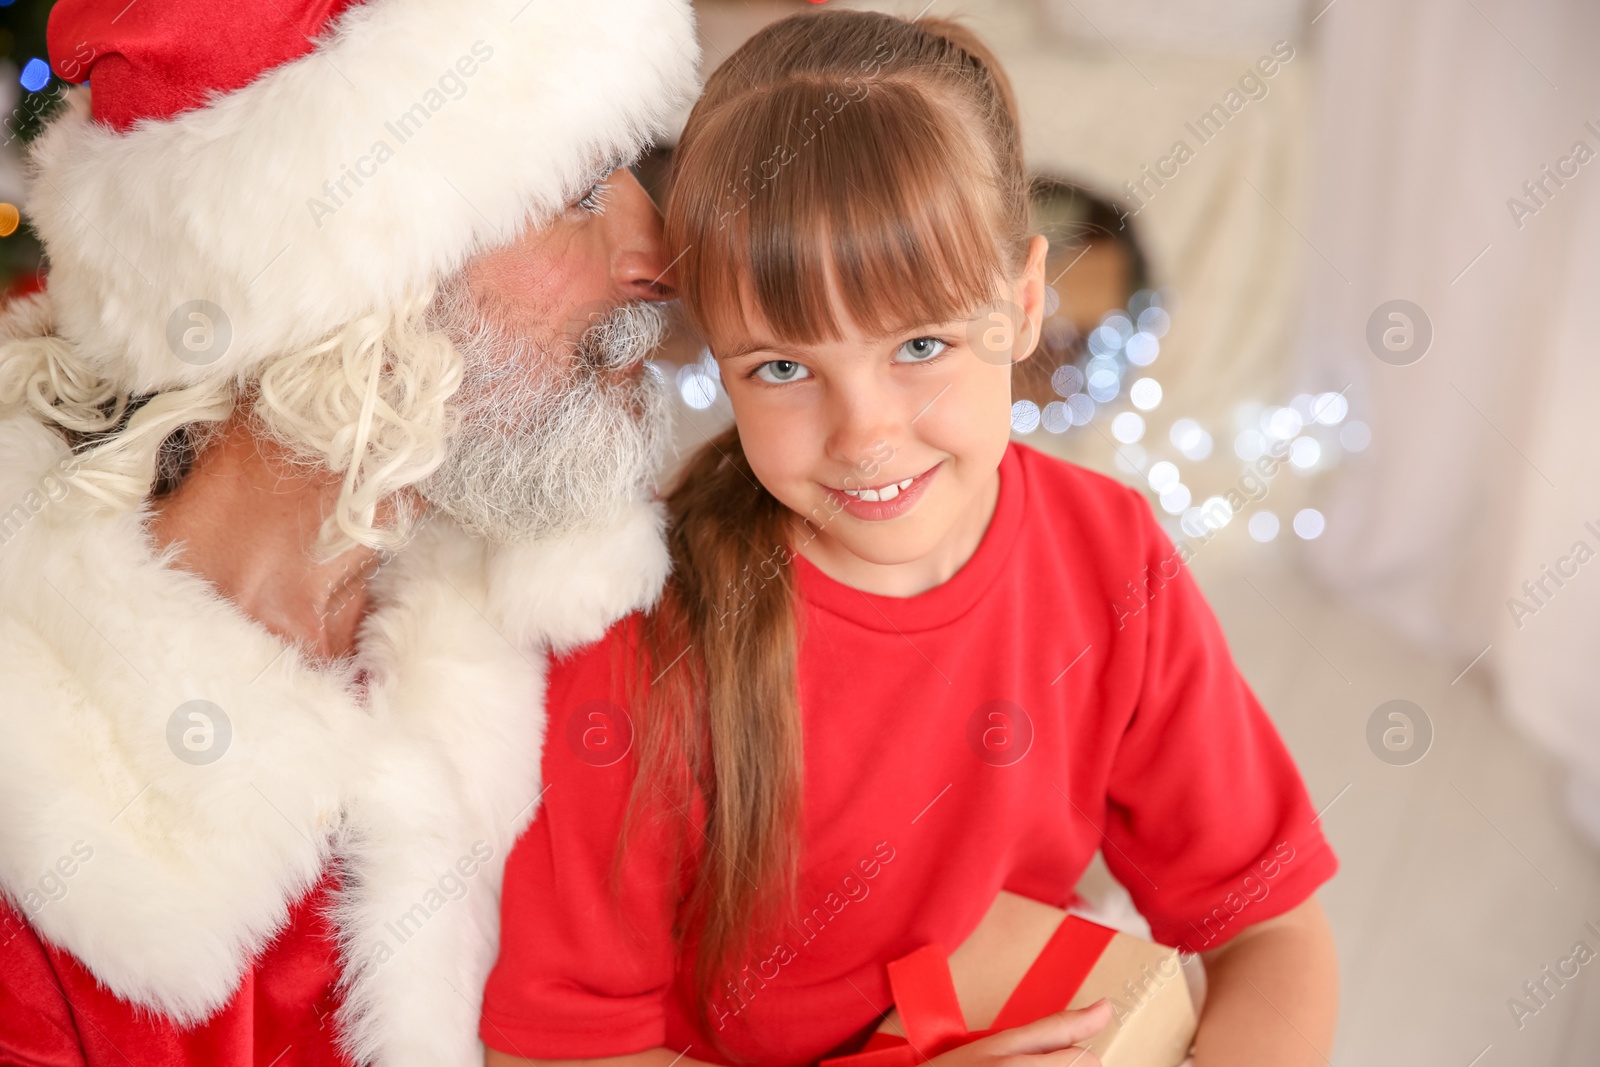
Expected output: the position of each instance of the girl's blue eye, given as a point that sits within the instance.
(920, 350)
(781, 371)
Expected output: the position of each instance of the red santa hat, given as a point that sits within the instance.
(284, 167)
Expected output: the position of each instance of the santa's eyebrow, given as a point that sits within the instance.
(594, 177)
(617, 161)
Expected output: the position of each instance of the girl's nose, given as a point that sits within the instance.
(865, 425)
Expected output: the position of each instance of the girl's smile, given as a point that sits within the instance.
(887, 501)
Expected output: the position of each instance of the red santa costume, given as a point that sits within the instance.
(324, 890)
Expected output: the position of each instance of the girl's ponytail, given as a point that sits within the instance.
(722, 723)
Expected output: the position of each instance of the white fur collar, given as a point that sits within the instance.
(193, 866)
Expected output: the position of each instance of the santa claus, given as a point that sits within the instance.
(332, 423)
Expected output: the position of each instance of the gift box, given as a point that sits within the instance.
(1025, 961)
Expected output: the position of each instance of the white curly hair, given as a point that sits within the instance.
(375, 402)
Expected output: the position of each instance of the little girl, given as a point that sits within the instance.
(894, 672)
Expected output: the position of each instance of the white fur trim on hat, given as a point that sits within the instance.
(344, 182)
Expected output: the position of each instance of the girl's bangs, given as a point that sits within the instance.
(799, 202)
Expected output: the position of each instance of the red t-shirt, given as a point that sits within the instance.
(1067, 690)
(53, 1013)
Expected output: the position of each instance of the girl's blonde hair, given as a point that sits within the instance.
(842, 160)
(370, 402)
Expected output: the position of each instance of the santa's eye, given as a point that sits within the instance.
(594, 201)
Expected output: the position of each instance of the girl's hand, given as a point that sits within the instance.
(1050, 1042)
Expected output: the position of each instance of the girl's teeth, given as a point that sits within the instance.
(888, 492)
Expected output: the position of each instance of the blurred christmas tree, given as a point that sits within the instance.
(29, 94)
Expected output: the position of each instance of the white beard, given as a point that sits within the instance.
(550, 440)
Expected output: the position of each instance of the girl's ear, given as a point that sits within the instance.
(1031, 285)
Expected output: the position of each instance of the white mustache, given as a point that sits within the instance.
(623, 339)
(549, 441)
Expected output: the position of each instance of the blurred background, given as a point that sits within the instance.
(1323, 277)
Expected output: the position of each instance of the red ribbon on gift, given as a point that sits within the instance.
(931, 1015)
